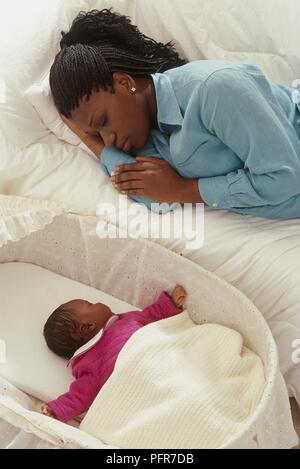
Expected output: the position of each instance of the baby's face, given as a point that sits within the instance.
(86, 312)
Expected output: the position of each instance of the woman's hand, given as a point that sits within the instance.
(94, 142)
(46, 410)
(157, 180)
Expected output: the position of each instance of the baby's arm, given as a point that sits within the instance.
(166, 305)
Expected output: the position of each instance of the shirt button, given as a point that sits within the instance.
(215, 205)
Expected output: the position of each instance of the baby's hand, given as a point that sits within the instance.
(46, 410)
(178, 295)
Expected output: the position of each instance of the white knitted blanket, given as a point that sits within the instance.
(178, 385)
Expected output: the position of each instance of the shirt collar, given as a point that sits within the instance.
(168, 110)
(95, 339)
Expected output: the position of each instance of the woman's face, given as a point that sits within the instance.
(122, 119)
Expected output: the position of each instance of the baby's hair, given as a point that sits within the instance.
(98, 44)
(61, 333)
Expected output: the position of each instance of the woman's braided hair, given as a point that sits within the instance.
(98, 44)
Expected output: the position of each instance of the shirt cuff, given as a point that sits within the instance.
(215, 191)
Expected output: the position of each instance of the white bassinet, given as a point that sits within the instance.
(135, 271)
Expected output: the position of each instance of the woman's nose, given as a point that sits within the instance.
(110, 139)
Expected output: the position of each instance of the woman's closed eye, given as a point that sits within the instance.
(95, 134)
(102, 122)
(101, 125)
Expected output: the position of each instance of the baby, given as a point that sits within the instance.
(91, 337)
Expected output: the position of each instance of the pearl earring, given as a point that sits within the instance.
(133, 90)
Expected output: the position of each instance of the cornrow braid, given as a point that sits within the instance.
(59, 332)
(98, 44)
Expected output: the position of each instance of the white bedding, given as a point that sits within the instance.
(259, 257)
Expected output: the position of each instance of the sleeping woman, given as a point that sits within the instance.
(208, 131)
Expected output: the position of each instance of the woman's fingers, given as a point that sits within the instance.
(130, 193)
(129, 185)
(126, 176)
(130, 167)
(159, 180)
(142, 164)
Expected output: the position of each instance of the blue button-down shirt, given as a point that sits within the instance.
(227, 125)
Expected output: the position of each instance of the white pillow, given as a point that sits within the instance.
(39, 95)
(29, 41)
(30, 33)
(63, 173)
(28, 296)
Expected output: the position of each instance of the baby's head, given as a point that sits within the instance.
(73, 324)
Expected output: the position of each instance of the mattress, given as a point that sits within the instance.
(29, 364)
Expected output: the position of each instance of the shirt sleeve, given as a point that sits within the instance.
(77, 400)
(161, 309)
(247, 118)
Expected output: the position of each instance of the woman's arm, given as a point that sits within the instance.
(93, 142)
(244, 114)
